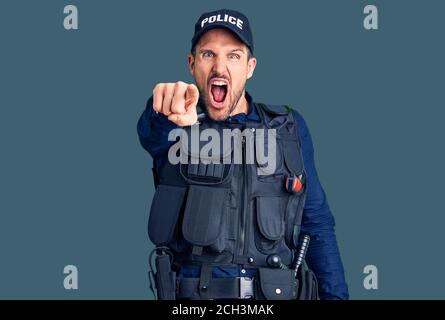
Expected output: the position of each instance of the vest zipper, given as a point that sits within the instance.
(243, 195)
(247, 193)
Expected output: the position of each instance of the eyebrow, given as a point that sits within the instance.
(205, 50)
(208, 50)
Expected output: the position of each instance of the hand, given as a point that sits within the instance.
(177, 101)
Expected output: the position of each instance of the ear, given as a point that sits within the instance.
(251, 64)
(191, 63)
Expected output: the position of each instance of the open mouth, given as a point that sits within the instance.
(218, 90)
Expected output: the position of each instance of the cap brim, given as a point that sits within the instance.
(218, 26)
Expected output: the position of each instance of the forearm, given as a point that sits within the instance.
(153, 130)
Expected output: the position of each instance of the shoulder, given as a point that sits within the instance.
(301, 123)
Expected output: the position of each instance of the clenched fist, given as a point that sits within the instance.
(177, 101)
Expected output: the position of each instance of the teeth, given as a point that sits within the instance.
(219, 83)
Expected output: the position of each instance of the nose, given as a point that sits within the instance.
(220, 66)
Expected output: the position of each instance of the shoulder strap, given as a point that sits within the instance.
(275, 109)
(274, 116)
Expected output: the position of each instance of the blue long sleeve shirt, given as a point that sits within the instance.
(323, 256)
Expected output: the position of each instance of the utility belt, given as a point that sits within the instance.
(268, 284)
(279, 283)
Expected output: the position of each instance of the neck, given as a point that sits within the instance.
(242, 106)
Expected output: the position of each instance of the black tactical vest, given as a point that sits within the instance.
(229, 214)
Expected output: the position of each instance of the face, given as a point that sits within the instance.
(221, 68)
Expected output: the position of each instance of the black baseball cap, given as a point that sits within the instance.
(229, 19)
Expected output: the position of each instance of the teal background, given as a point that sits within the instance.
(76, 186)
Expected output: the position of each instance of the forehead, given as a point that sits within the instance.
(220, 37)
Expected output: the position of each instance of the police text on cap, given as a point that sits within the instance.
(227, 18)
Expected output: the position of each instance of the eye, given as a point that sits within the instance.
(208, 54)
(234, 56)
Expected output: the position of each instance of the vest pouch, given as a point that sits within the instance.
(275, 284)
(204, 217)
(270, 222)
(293, 160)
(165, 209)
(205, 165)
(294, 213)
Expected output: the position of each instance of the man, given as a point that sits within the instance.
(231, 231)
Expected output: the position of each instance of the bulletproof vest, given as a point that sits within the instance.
(232, 213)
